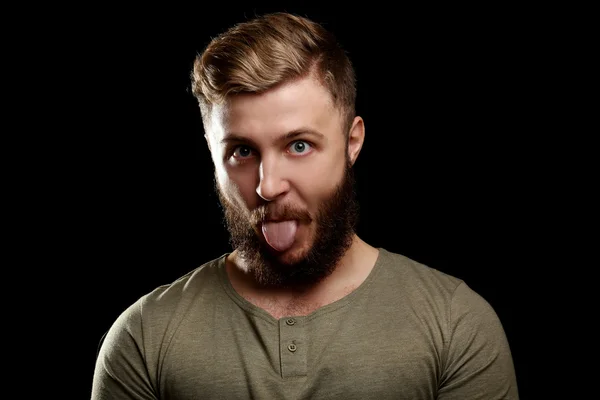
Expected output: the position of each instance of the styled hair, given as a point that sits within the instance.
(257, 55)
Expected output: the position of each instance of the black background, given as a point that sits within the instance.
(449, 175)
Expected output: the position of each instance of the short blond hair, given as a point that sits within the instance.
(257, 55)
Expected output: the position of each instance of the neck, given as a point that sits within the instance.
(352, 269)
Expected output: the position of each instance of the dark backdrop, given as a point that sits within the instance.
(446, 174)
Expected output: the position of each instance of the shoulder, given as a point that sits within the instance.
(419, 280)
(205, 278)
(476, 356)
(142, 327)
(444, 297)
(415, 278)
(157, 309)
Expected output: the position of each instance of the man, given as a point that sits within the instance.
(302, 308)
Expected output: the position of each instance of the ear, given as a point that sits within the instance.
(356, 138)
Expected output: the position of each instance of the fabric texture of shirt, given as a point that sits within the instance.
(407, 332)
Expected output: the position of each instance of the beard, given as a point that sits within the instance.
(335, 224)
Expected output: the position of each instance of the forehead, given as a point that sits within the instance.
(303, 103)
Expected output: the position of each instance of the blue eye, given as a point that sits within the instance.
(242, 152)
(300, 147)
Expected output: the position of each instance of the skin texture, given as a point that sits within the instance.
(269, 166)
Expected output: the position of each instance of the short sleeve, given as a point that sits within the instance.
(120, 372)
(478, 360)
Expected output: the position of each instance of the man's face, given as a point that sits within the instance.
(284, 178)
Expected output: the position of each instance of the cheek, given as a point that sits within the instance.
(240, 186)
(318, 185)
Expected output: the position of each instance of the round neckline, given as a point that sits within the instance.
(326, 309)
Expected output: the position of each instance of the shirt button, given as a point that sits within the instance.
(292, 347)
(290, 321)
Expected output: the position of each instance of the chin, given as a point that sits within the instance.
(296, 254)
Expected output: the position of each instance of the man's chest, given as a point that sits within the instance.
(298, 358)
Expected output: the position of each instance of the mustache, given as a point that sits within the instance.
(278, 213)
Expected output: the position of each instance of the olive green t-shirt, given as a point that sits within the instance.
(407, 332)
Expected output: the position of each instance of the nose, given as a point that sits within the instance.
(272, 182)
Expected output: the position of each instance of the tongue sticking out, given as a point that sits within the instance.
(280, 235)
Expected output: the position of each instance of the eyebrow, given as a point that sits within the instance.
(234, 137)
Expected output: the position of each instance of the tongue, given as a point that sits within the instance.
(280, 235)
